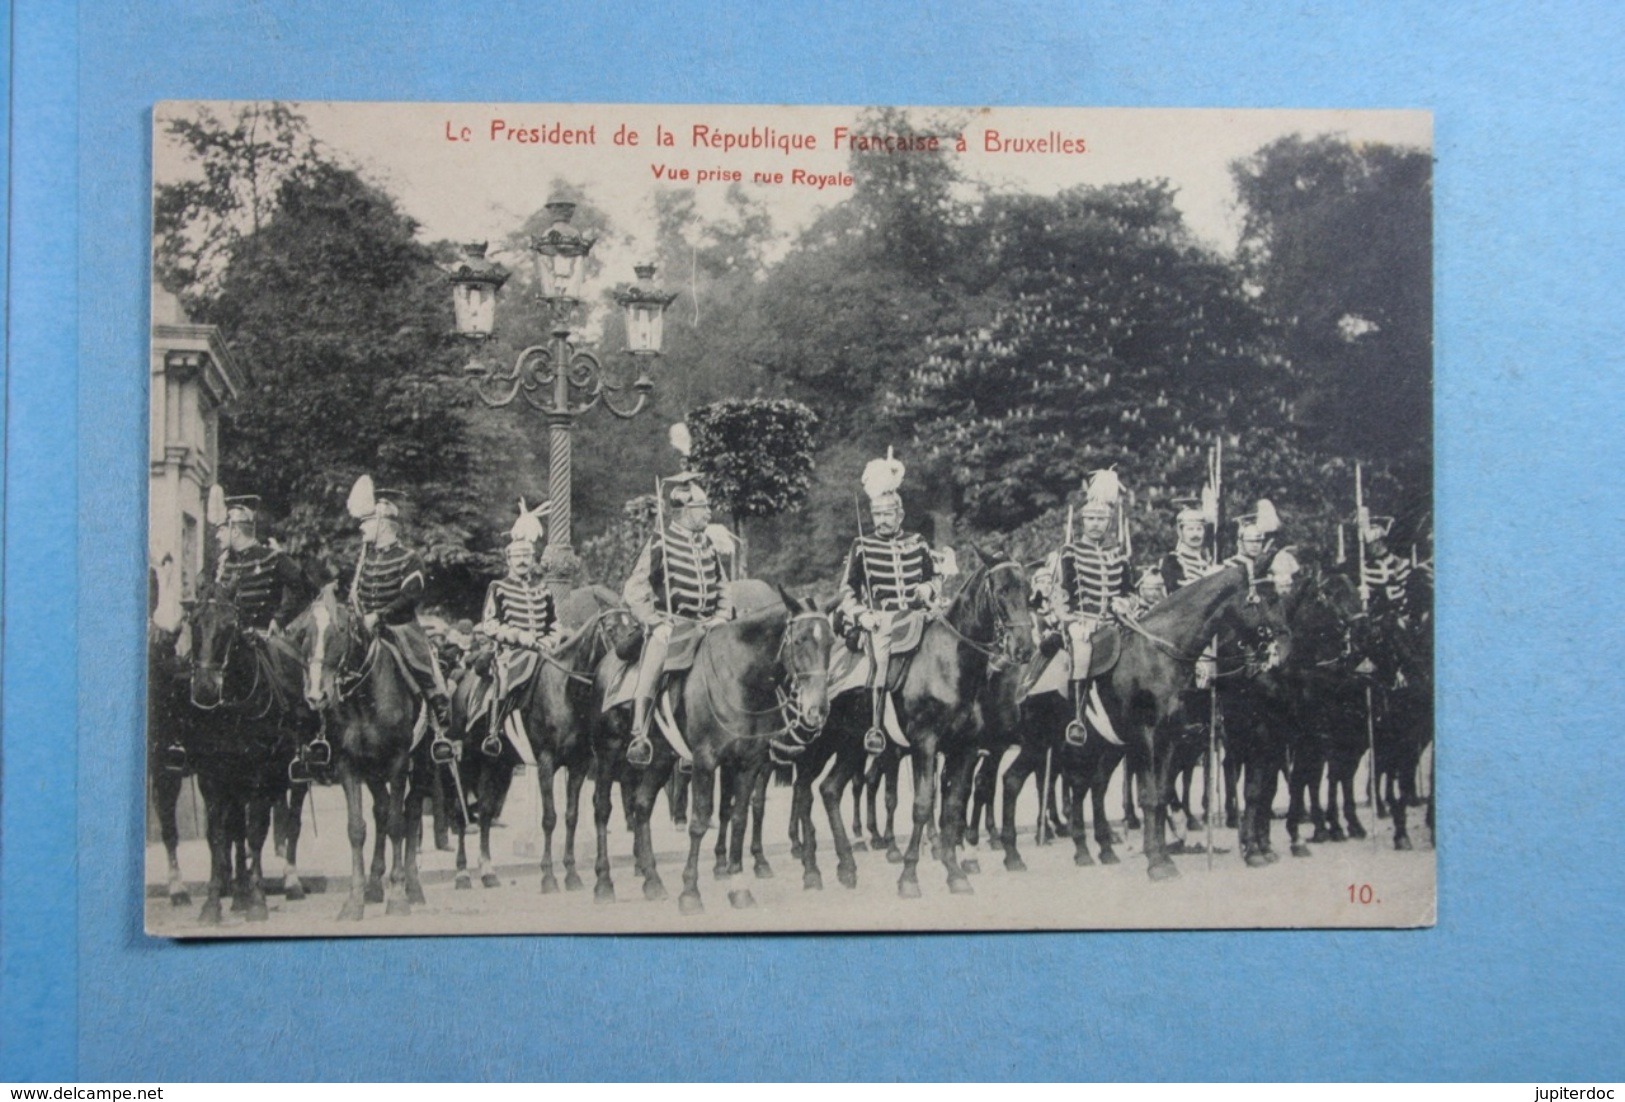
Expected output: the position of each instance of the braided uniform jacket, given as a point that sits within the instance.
(390, 583)
(521, 605)
(884, 572)
(1091, 576)
(264, 584)
(1182, 566)
(1389, 580)
(681, 574)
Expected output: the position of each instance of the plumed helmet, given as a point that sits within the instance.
(242, 509)
(1102, 490)
(681, 440)
(215, 511)
(1261, 522)
(529, 529)
(687, 489)
(881, 478)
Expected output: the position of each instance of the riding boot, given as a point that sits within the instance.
(441, 749)
(491, 746)
(874, 739)
(1076, 733)
(640, 751)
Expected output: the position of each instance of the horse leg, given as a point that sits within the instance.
(166, 795)
(237, 828)
(1015, 778)
(545, 770)
(956, 771)
(743, 783)
(1406, 777)
(440, 812)
(603, 782)
(893, 769)
(677, 798)
(1295, 813)
(1076, 788)
(1355, 829)
(924, 760)
(849, 764)
(865, 790)
(463, 881)
(356, 825)
(801, 826)
(575, 776)
(758, 810)
(1131, 821)
(641, 808)
(395, 901)
(704, 793)
(293, 809)
(1153, 793)
(725, 810)
(380, 824)
(1099, 779)
(214, 818)
(257, 826)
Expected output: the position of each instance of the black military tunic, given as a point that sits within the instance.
(1182, 566)
(520, 605)
(680, 574)
(265, 585)
(883, 573)
(1091, 576)
(390, 582)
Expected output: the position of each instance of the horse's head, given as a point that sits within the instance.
(1261, 622)
(1001, 585)
(215, 629)
(804, 654)
(322, 634)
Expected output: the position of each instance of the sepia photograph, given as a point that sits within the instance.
(604, 519)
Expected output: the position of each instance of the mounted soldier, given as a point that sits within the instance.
(888, 572)
(385, 590)
(1193, 555)
(1385, 575)
(519, 615)
(1089, 585)
(1255, 533)
(677, 589)
(266, 585)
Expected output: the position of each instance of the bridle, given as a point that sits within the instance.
(1000, 650)
(233, 633)
(787, 697)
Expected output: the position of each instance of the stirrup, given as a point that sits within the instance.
(318, 754)
(1076, 733)
(874, 741)
(299, 772)
(492, 746)
(173, 758)
(684, 767)
(442, 751)
(640, 751)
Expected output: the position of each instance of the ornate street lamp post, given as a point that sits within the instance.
(558, 378)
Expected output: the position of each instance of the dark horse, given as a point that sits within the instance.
(985, 628)
(556, 708)
(364, 695)
(1144, 694)
(169, 710)
(753, 679)
(247, 686)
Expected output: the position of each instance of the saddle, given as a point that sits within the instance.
(1054, 673)
(1107, 644)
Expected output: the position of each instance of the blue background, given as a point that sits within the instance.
(1522, 977)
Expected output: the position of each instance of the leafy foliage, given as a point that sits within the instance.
(757, 453)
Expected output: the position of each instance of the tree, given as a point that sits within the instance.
(343, 320)
(241, 162)
(1113, 339)
(757, 455)
(1339, 239)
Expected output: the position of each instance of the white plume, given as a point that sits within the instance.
(681, 439)
(883, 476)
(361, 503)
(1105, 488)
(1268, 521)
(1210, 505)
(215, 512)
(529, 524)
(722, 539)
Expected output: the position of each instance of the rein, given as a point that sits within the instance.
(786, 707)
(995, 649)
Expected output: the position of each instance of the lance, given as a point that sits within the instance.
(660, 527)
(1360, 521)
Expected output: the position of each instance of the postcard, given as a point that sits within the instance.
(573, 518)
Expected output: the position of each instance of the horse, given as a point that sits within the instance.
(1404, 721)
(361, 691)
(241, 748)
(1144, 693)
(986, 627)
(1329, 632)
(555, 708)
(169, 711)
